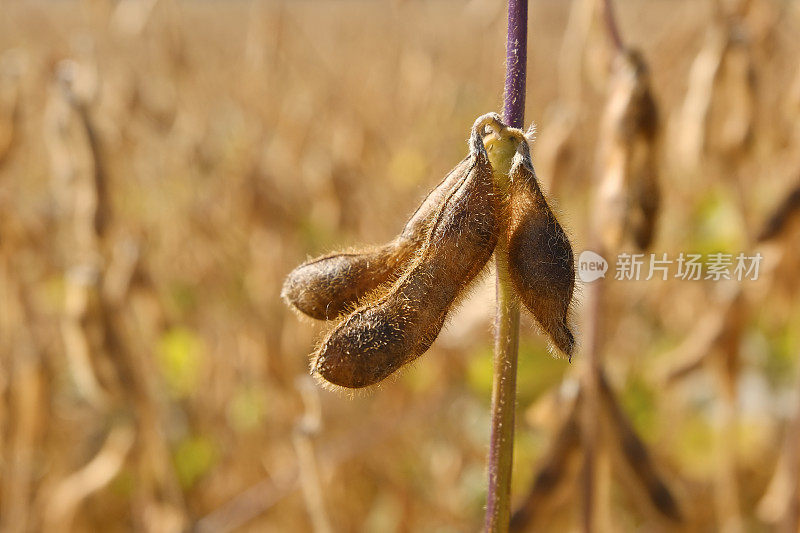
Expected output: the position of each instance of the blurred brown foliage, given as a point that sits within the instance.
(164, 164)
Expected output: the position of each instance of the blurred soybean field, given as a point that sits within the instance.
(165, 163)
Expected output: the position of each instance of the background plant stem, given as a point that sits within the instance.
(501, 446)
(611, 25)
(593, 456)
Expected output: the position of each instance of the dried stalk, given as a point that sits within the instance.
(25, 392)
(75, 488)
(726, 490)
(791, 519)
(11, 66)
(573, 47)
(590, 423)
(626, 206)
(553, 475)
(633, 461)
(24, 424)
(690, 132)
(780, 504)
(306, 428)
(695, 351)
(130, 17)
(591, 430)
(265, 494)
(611, 25)
(76, 202)
(718, 111)
(94, 323)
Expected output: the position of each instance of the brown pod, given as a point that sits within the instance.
(540, 258)
(399, 325)
(629, 197)
(643, 217)
(328, 286)
(645, 123)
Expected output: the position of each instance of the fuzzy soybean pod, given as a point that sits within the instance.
(399, 325)
(540, 259)
(328, 286)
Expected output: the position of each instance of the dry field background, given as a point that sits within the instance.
(164, 164)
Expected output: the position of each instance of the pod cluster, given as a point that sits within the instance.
(388, 303)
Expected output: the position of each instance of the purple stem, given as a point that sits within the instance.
(501, 445)
(516, 62)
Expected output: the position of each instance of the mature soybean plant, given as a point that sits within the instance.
(389, 303)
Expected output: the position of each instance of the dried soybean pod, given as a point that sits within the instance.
(540, 258)
(399, 325)
(629, 195)
(327, 286)
(645, 188)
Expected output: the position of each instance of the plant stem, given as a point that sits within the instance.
(501, 447)
(504, 390)
(516, 63)
(611, 25)
(591, 436)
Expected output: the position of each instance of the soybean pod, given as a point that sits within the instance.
(325, 287)
(399, 325)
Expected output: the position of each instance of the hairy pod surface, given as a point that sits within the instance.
(328, 286)
(399, 325)
(540, 258)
